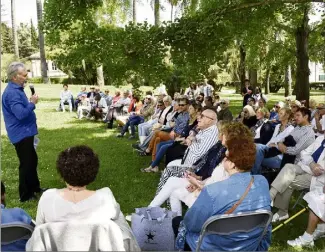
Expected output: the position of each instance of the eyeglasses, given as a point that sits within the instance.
(182, 105)
(202, 116)
(294, 106)
(276, 106)
(223, 103)
(159, 105)
(245, 112)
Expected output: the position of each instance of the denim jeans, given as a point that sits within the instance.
(132, 122)
(273, 162)
(161, 150)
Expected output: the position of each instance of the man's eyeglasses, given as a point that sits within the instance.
(276, 106)
(182, 105)
(223, 103)
(202, 116)
(159, 105)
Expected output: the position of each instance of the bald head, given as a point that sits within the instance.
(207, 119)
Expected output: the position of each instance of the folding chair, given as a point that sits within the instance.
(300, 197)
(15, 231)
(227, 224)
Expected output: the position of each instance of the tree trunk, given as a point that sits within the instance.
(157, 12)
(302, 73)
(44, 69)
(242, 66)
(287, 82)
(134, 9)
(100, 76)
(253, 78)
(267, 81)
(14, 27)
(171, 12)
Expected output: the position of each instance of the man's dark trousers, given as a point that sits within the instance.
(28, 178)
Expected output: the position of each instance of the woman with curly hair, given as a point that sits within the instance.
(221, 197)
(78, 166)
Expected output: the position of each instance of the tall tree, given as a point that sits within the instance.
(134, 11)
(33, 35)
(14, 27)
(44, 68)
(157, 12)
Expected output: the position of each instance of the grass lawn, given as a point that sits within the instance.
(119, 164)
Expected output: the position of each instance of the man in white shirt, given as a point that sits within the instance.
(66, 96)
(297, 177)
(318, 121)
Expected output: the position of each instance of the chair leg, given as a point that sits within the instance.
(301, 195)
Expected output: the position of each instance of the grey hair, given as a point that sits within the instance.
(168, 99)
(13, 69)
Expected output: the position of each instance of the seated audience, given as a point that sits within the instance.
(108, 98)
(91, 94)
(180, 123)
(163, 146)
(119, 107)
(316, 203)
(248, 116)
(10, 216)
(224, 113)
(138, 117)
(295, 105)
(66, 97)
(134, 107)
(200, 99)
(239, 159)
(78, 167)
(263, 129)
(204, 140)
(79, 95)
(312, 108)
(318, 122)
(298, 176)
(261, 103)
(84, 107)
(302, 136)
(99, 107)
(208, 102)
(252, 102)
(274, 115)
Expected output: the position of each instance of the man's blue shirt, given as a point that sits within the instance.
(18, 113)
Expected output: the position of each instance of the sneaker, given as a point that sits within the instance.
(137, 147)
(300, 242)
(128, 218)
(319, 232)
(119, 135)
(131, 137)
(277, 217)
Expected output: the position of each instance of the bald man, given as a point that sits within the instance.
(197, 147)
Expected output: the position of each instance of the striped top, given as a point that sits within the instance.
(203, 141)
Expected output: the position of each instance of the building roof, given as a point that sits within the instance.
(35, 56)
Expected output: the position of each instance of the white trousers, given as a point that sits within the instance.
(170, 190)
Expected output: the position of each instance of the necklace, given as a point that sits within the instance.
(74, 189)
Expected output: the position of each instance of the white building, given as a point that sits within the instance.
(317, 73)
(53, 71)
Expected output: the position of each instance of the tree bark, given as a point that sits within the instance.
(134, 9)
(157, 12)
(242, 65)
(253, 78)
(100, 76)
(14, 28)
(171, 12)
(302, 73)
(267, 81)
(44, 69)
(287, 82)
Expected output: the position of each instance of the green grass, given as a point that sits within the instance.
(120, 166)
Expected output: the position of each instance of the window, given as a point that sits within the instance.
(54, 67)
(322, 77)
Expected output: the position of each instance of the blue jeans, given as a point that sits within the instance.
(160, 152)
(132, 122)
(273, 162)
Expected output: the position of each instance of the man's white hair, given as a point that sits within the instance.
(13, 69)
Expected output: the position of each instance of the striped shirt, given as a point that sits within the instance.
(203, 141)
(304, 136)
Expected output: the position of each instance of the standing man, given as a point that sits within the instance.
(246, 92)
(20, 121)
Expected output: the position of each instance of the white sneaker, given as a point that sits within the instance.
(128, 218)
(319, 232)
(277, 217)
(300, 242)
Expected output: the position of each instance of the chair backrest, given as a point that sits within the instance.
(15, 231)
(227, 224)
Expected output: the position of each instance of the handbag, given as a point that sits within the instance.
(152, 227)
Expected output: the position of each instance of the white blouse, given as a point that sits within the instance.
(278, 137)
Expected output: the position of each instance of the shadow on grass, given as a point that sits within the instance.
(119, 166)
